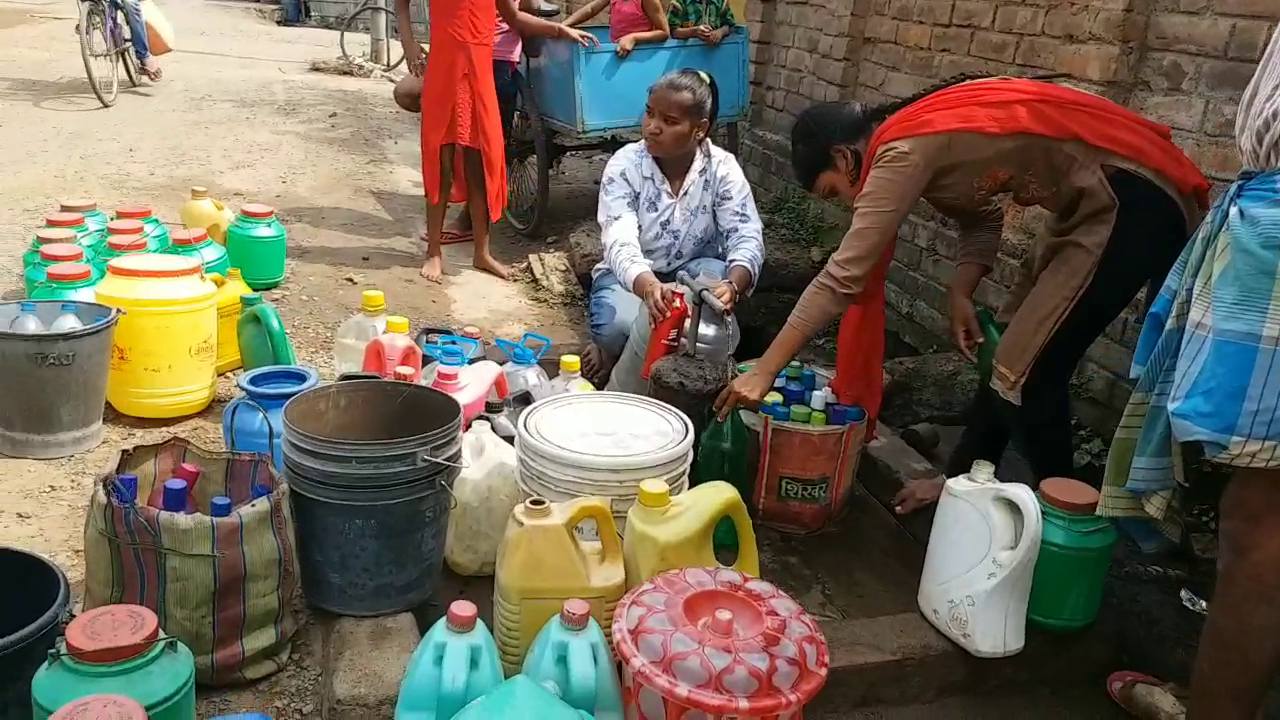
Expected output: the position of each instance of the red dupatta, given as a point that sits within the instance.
(1003, 106)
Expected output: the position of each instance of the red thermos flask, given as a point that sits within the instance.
(665, 337)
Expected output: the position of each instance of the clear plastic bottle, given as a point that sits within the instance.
(354, 334)
(27, 321)
(570, 379)
(68, 320)
(499, 418)
(526, 380)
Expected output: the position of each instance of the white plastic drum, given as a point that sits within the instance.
(601, 444)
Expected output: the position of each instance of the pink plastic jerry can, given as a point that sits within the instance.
(393, 349)
(715, 644)
(470, 385)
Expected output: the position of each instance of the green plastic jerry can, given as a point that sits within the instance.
(261, 334)
(256, 243)
(991, 332)
(1075, 555)
(520, 697)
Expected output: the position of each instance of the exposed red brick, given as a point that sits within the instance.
(994, 46)
(954, 40)
(974, 13)
(1070, 21)
(1102, 63)
(1220, 118)
(1200, 35)
(1176, 111)
(1039, 52)
(933, 12)
(901, 9)
(1222, 77)
(1021, 20)
(1249, 39)
(880, 28)
(914, 35)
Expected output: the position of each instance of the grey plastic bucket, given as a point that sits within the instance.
(371, 464)
(53, 386)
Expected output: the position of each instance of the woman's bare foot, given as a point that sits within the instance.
(490, 264)
(595, 366)
(433, 268)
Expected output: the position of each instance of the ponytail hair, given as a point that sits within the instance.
(823, 127)
(700, 86)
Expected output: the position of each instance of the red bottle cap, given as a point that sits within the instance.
(188, 472)
(64, 219)
(127, 243)
(189, 236)
(45, 236)
(257, 210)
(112, 633)
(134, 212)
(461, 616)
(69, 272)
(575, 614)
(77, 205)
(471, 331)
(125, 227)
(1069, 495)
(404, 373)
(101, 707)
(61, 252)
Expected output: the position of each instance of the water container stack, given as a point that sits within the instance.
(602, 444)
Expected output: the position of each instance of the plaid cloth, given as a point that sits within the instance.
(1207, 361)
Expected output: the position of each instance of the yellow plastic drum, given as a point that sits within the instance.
(165, 348)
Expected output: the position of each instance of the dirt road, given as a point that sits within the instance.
(239, 110)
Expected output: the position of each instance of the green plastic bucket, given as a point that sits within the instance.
(154, 230)
(195, 243)
(1075, 554)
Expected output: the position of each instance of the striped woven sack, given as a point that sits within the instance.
(226, 587)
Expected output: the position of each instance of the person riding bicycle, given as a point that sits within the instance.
(141, 44)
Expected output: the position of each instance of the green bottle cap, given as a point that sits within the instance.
(250, 299)
(794, 368)
(817, 418)
(800, 413)
(773, 398)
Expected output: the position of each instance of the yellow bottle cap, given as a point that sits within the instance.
(233, 273)
(199, 192)
(654, 493)
(398, 324)
(570, 363)
(373, 302)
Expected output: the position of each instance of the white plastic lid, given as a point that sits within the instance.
(605, 431)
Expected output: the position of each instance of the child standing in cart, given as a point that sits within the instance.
(710, 21)
(631, 22)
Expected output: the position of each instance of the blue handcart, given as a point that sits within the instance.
(576, 99)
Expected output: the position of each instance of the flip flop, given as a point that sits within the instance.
(1118, 682)
(452, 237)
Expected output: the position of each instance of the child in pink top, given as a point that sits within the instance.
(631, 22)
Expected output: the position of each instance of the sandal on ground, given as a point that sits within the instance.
(151, 69)
(1145, 697)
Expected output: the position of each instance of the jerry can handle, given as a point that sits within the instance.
(231, 425)
(436, 350)
(748, 561)
(581, 662)
(1023, 499)
(216, 278)
(593, 509)
(454, 667)
(544, 344)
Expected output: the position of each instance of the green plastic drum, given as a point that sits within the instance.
(47, 236)
(69, 282)
(195, 243)
(1075, 554)
(50, 255)
(118, 650)
(256, 242)
(133, 222)
(94, 218)
(116, 246)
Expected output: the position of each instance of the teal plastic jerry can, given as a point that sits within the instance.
(520, 697)
(456, 662)
(571, 653)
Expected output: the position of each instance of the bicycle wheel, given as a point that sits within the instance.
(100, 62)
(128, 60)
(528, 165)
(356, 42)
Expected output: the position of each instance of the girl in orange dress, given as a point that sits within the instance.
(462, 147)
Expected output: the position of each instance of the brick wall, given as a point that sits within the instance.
(1182, 62)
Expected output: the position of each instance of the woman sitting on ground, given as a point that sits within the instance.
(672, 202)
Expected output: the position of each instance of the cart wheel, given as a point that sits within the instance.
(528, 165)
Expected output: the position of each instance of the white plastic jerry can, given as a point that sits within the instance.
(982, 553)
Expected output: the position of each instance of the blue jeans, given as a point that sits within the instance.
(620, 325)
(137, 28)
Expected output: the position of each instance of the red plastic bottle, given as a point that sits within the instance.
(186, 471)
(393, 349)
(665, 337)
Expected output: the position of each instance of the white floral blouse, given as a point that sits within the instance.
(644, 226)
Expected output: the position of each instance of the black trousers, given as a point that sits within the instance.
(1149, 233)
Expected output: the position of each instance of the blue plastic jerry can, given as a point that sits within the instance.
(571, 654)
(521, 697)
(456, 663)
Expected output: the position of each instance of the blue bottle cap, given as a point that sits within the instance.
(808, 378)
(856, 414)
(220, 506)
(837, 414)
(175, 495)
(260, 491)
(126, 488)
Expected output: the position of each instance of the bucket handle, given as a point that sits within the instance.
(231, 427)
(168, 641)
(425, 459)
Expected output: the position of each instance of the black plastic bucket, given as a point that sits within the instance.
(32, 610)
(371, 464)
